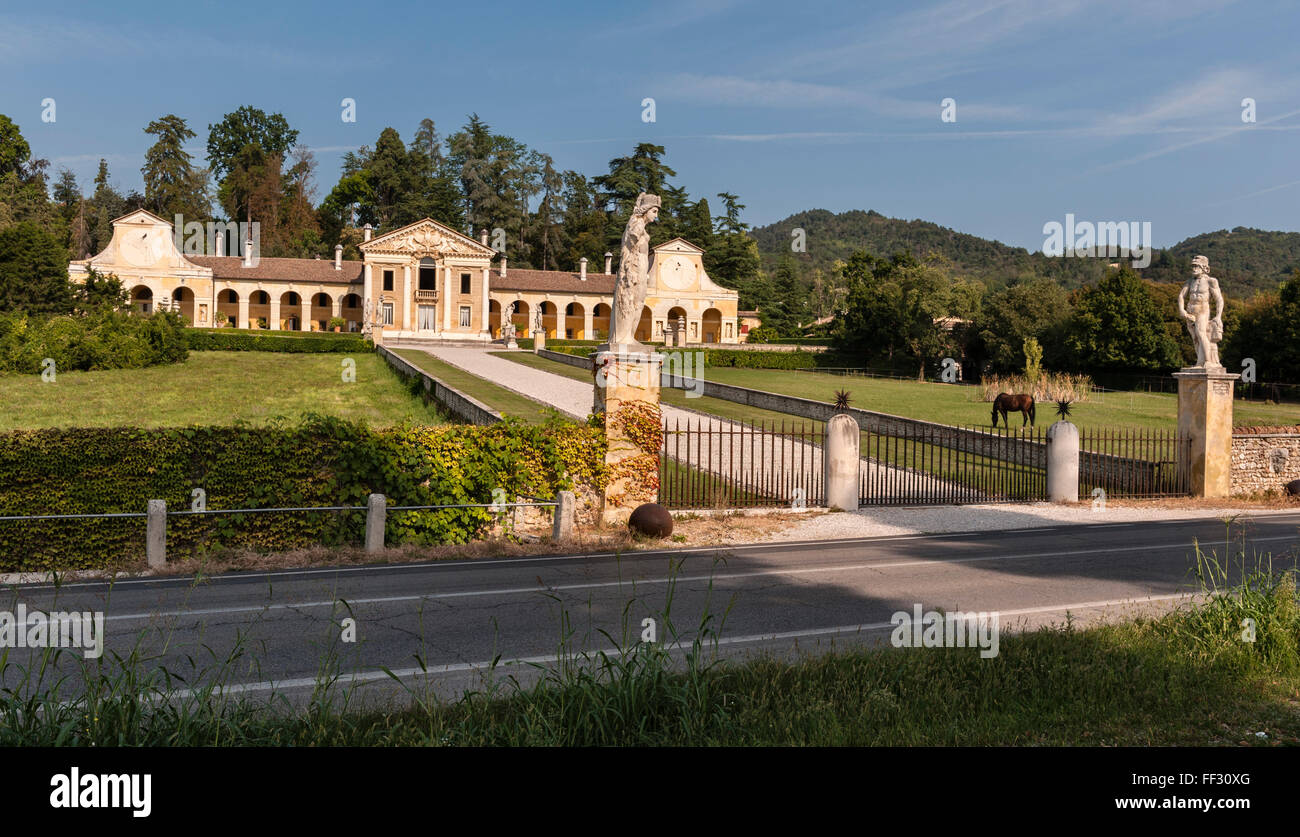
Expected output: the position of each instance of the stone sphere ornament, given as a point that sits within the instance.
(652, 520)
(1293, 488)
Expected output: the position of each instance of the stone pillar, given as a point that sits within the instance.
(487, 304)
(841, 459)
(588, 322)
(562, 523)
(539, 340)
(376, 521)
(1205, 416)
(446, 299)
(273, 319)
(1063, 463)
(241, 321)
(306, 313)
(407, 307)
(627, 398)
(156, 534)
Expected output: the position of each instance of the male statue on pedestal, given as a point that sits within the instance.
(1194, 307)
(633, 270)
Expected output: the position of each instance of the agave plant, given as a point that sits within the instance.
(841, 400)
(1063, 408)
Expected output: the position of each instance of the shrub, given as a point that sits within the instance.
(320, 462)
(242, 340)
(97, 340)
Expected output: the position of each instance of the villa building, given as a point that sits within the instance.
(422, 282)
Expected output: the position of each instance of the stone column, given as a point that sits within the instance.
(1063, 463)
(446, 308)
(1205, 416)
(487, 304)
(588, 322)
(306, 312)
(406, 298)
(241, 321)
(273, 321)
(627, 397)
(841, 460)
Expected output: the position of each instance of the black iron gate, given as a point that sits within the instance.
(711, 463)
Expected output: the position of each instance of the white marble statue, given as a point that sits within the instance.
(633, 268)
(1206, 327)
(508, 323)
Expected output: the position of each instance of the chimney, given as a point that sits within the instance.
(248, 251)
(582, 268)
(219, 241)
(609, 261)
(338, 256)
(482, 236)
(503, 264)
(366, 231)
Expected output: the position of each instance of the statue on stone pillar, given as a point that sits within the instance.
(1205, 327)
(508, 323)
(633, 270)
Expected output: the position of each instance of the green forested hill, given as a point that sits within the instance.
(1246, 260)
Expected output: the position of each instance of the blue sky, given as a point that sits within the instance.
(1112, 111)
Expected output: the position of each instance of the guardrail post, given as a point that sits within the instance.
(376, 520)
(1063, 463)
(841, 458)
(155, 544)
(562, 529)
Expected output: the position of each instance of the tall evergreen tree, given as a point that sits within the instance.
(172, 185)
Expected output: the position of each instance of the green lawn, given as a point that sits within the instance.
(505, 401)
(944, 403)
(214, 388)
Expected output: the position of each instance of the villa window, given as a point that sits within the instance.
(388, 314)
(388, 280)
(464, 283)
(464, 316)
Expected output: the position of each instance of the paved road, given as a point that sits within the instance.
(439, 624)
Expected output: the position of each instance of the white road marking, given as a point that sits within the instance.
(450, 668)
(592, 585)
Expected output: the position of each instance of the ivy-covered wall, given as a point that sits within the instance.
(321, 462)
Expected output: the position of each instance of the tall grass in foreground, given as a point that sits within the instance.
(1186, 677)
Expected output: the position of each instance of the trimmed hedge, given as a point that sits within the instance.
(246, 340)
(738, 358)
(321, 462)
(98, 340)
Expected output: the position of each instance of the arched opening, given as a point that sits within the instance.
(675, 320)
(711, 325)
(494, 318)
(259, 310)
(183, 304)
(353, 311)
(321, 311)
(521, 318)
(574, 322)
(643, 327)
(227, 309)
(142, 299)
(600, 322)
(290, 311)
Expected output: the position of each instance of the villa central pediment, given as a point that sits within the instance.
(426, 238)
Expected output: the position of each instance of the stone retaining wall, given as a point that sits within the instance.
(456, 402)
(1264, 458)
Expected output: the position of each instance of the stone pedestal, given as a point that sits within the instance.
(1205, 416)
(1063, 463)
(627, 396)
(539, 340)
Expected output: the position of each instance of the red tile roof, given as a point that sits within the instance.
(284, 270)
(560, 281)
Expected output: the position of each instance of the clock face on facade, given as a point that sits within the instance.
(678, 273)
(141, 249)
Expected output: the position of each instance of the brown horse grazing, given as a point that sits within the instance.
(1023, 404)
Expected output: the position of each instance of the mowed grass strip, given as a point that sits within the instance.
(214, 388)
(942, 403)
(507, 402)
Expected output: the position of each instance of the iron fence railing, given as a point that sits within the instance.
(709, 463)
(943, 465)
(1137, 462)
